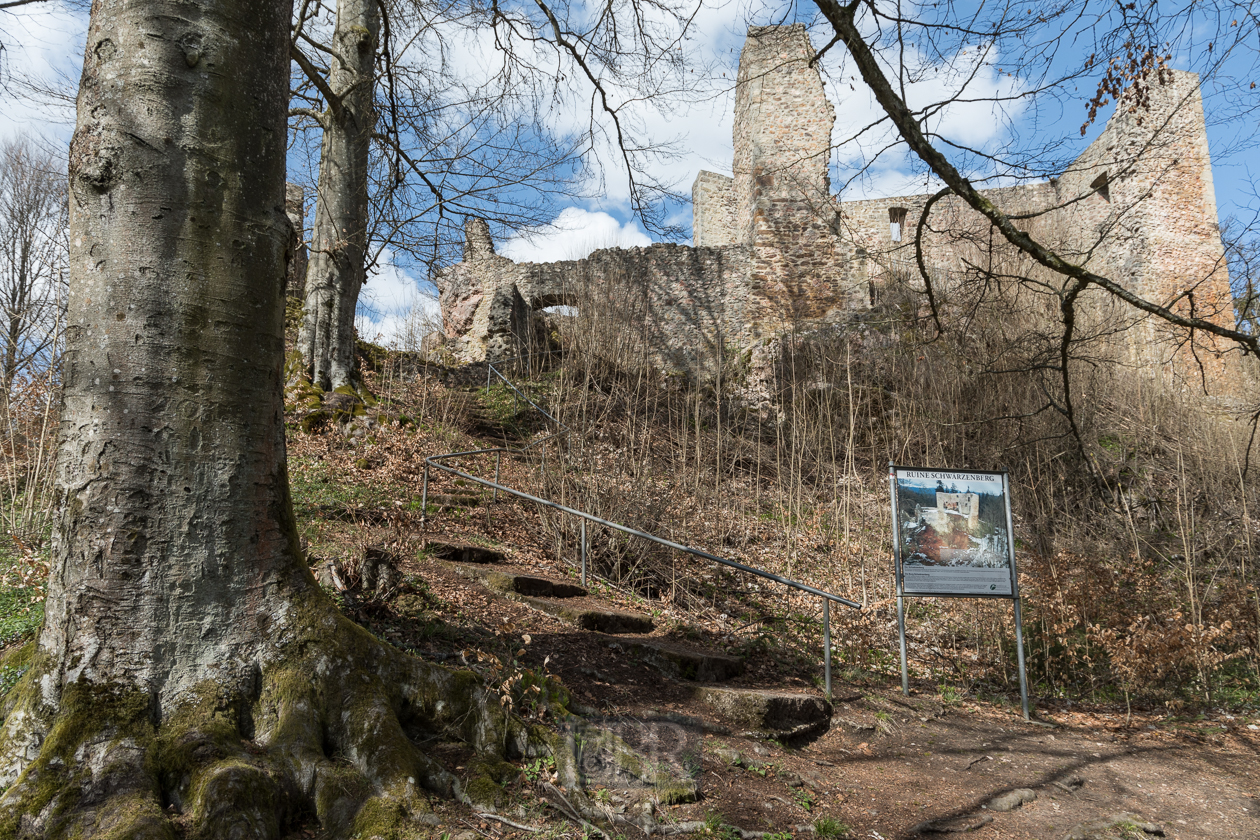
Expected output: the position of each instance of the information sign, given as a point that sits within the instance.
(952, 532)
(952, 538)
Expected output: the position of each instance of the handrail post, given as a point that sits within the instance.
(583, 551)
(498, 461)
(827, 645)
(424, 496)
(489, 367)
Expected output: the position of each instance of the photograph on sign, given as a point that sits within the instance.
(952, 532)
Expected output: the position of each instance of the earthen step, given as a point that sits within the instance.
(685, 662)
(464, 553)
(779, 714)
(613, 622)
(501, 580)
(455, 499)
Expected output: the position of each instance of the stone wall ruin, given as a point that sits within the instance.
(775, 251)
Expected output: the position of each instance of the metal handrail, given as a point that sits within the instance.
(498, 451)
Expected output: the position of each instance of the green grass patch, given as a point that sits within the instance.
(21, 614)
(21, 607)
(829, 827)
(316, 491)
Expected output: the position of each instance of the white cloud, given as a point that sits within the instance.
(655, 103)
(395, 309)
(970, 81)
(572, 236)
(43, 44)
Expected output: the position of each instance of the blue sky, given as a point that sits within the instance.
(979, 487)
(46, 41)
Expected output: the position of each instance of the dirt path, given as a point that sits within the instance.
(892, 771)
(890, 766)
(945, 769)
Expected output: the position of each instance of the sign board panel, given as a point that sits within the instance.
(952, 532)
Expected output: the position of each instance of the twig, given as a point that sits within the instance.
(505, 821)
(699, 827)
(572, 813)
(692, 827)
(978, 760)
(478, 830)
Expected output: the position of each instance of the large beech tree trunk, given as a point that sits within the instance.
(339, 236)
(188, 664)
(175, 544)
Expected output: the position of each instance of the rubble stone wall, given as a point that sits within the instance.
(775, 251)
(680, 306)
(295, 271)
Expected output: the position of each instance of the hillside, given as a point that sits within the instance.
(687, 697)
(469, 587)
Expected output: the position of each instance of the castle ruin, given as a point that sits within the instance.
(775, 251)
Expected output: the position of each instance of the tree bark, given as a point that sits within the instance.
(171, 466)
(339, 237)
(188, 663)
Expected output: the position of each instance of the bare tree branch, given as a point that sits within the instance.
(316, 78)
(843, 21)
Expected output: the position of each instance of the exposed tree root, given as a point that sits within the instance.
(330, 730)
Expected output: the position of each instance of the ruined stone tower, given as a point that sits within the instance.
(775, 251)
(783, 203)
(778, 204)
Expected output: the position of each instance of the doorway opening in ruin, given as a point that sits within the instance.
(896, 222)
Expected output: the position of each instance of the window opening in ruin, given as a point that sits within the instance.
(896, 221)
(1102, 186)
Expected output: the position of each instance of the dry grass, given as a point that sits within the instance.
(1137, 553)
(1136, 543)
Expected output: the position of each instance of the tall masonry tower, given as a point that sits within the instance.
(782, 208)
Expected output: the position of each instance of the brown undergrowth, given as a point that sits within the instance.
(1136, 552)
(1137, 566)
(1135, 511)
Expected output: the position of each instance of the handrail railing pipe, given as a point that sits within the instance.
(436, 461)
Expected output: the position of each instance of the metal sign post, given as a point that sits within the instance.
(953, 538)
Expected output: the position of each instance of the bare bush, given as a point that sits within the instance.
(1136, 530)
(33, 248)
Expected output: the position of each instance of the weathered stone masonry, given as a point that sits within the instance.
(776, 251)
(670, 299)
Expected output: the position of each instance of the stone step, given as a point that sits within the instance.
(613, 622)
(684, 662)
(464, 553)
(507, 582)
(778, 714)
